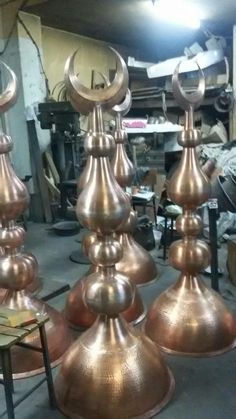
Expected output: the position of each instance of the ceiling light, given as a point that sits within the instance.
(178, 12)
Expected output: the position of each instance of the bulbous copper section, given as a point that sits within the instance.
(112, 361)
(18, 270)
(25, 362)
(122, 369)
(13, 193)
(188, 318)
(136, 262)
(189, 187)
(122, 167)
(85, 175)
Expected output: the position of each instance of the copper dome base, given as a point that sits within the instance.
(190, 319)
(136, 263)
(80, 317)
(25, 362)
(113, 362)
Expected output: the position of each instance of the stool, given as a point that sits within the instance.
(10, 336)
(145, 203)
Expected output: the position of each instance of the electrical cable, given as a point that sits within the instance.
(38, 54)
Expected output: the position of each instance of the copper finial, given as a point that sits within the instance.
(19, 269)
(76, 311)
(136, 262)
(188, 318)
(118, 366)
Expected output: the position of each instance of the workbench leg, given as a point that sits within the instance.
(212, 212)
(8, 382)
(48, 371)
(155, 211)
(165, 240)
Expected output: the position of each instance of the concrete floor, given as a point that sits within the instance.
(205, 388)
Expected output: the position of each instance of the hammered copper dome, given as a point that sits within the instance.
(111, 370)
(189, 318)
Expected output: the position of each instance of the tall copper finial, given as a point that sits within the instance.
(188, 318)
(136, 262)
(111, 370)
(18, 270)
(76, 311)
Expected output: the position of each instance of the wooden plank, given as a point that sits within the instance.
(52, 168)
(12, 331)
(37, 157)
(6, 341)
(32, 327)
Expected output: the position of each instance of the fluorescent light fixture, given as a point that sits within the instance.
(178, 12)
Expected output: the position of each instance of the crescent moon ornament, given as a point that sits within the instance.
(84, 99)
(124, 107)
(9, 95)
(188, 101)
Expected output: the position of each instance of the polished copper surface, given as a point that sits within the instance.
(136, 262)
(18, 269)
(122, 166)
(84, 99)
(111, 370)
(188, 318)
(80, 316)
(9, 96)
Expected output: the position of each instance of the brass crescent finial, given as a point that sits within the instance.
(84, 99)
(185, 100)
(9, 96)
(124, 107)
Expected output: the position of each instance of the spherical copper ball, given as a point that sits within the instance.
(12, 237)
(105, 251)
(108, 296)
(189, 255)
(87, 241)
(79, 315)
(17, 271)
(6, 143)
(99, 145)
(190, 138)
(189, 223)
